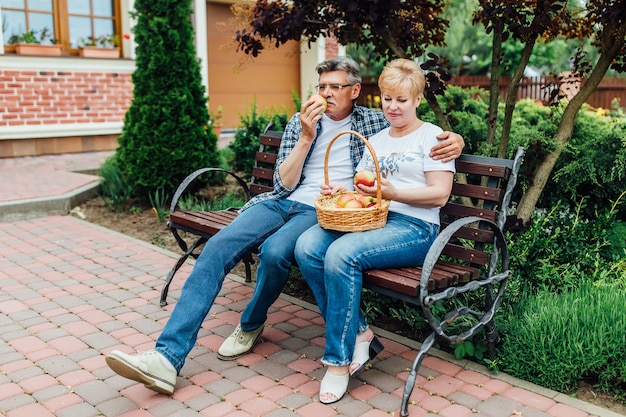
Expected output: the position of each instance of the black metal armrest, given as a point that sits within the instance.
(500, 252)
(194, 175)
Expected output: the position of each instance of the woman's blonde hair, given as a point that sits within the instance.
(402, 74)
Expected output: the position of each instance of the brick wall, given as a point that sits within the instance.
(30, 97)
(332, 47)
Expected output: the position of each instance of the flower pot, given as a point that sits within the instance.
(37, 49)
(96, 52)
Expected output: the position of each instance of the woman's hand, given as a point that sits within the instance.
(387, 190)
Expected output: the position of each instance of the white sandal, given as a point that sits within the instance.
(334, 386)
(364, 352)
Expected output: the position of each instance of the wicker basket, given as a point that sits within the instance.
(351, 219)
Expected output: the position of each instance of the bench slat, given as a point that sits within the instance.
(264, 173)
(205, 222)
(259, 189)
(389, 278)
(477, 191)
(460, 210)
(466, 254)
(477, 168)
(271, 138)
(407, 280)
(477, 235)
(266, 158)
(466, 273)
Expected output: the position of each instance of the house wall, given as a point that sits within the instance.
(62, 105)
(236, 81)
(51, 105)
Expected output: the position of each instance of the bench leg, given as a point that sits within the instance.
(492, 338)
(410, 381)
(176, 267)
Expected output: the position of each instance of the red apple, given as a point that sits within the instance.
(365, 177)
(320, 100)
(344, 198)
(367, 201)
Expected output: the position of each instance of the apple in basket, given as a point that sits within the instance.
(321, 100)
(353, 204)
(365, 177)
(367, 201)
(344, 199)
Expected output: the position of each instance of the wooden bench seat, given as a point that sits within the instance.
(470, 254)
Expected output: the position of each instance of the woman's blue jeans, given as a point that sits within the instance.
(278, 224)
(332, 264)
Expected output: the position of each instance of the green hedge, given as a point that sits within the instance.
(558, 340)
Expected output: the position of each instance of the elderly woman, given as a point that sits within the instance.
(332, 262)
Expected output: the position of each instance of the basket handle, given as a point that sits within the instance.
(369, 147)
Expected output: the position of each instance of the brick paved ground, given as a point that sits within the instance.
(73, 291)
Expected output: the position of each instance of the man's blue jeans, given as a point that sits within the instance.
(332, 264)
(278, 224)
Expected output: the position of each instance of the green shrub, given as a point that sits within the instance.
(558, 248)
(246, 141)
(557, 341)
(165, 134)
(114, 190)
(592, 165)
(616, 237)
(467, 112)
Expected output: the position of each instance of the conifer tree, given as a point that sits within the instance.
(166, 134)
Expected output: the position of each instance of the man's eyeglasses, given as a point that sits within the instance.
(335, 88)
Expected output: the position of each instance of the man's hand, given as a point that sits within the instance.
(310, 113)
(450, 146)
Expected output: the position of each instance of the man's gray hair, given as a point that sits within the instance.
(341, 63)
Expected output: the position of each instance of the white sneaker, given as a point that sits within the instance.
(238, 343)
(150, 368)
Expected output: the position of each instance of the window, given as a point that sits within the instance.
(71, 23)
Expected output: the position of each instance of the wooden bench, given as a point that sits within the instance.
(203, 225)
(469, 256)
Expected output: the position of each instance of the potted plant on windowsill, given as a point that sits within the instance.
(29, 43)
(103, 46)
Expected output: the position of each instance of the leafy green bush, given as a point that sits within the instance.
(616, 238)
(166, 134)
(556, 341)
(114, 190)
(592, 165)
(246, 142)
(467, 112)
(558, 248)
(563, 316)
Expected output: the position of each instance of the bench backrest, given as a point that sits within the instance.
(482, 188)
(261, 180)
(479, 190)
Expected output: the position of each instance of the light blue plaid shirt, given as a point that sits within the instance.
(364, 120)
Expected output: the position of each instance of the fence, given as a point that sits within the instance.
(536, 88)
